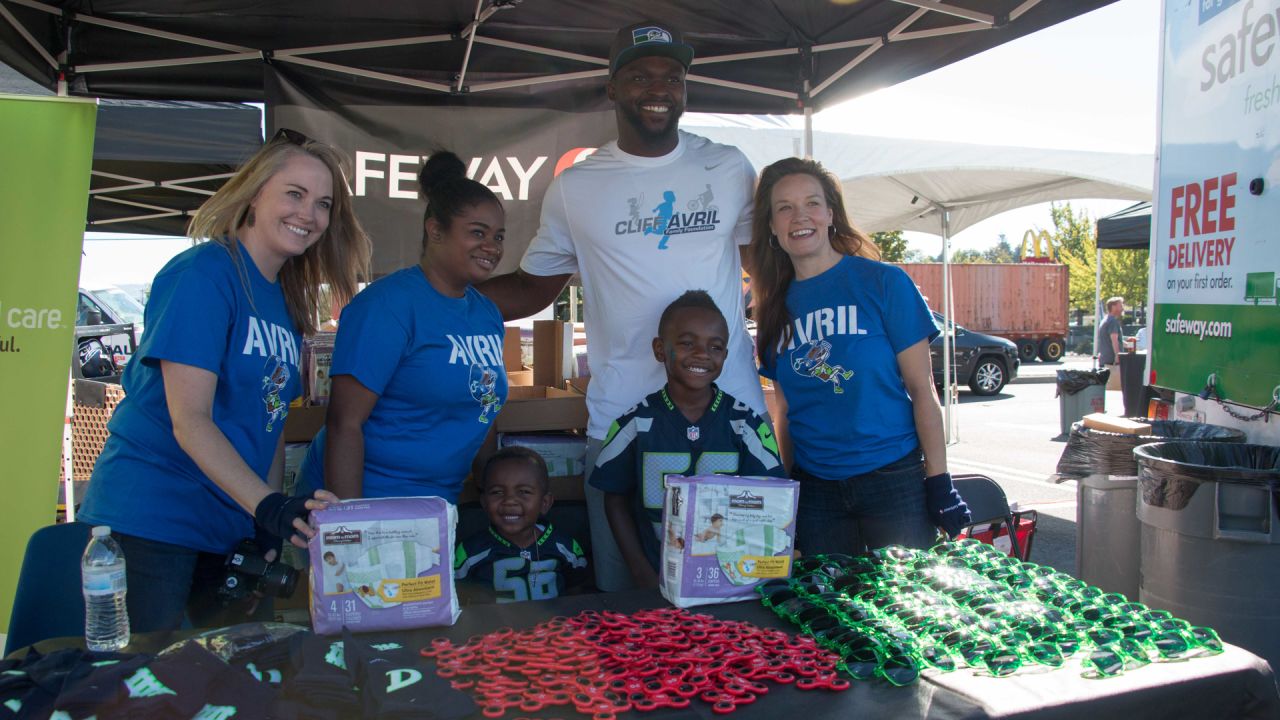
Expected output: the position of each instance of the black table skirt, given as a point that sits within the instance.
(1235, 684)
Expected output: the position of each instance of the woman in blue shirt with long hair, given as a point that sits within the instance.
(195, 459)
(845, 339)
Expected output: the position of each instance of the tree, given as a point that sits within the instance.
(967, 256)
(1001, 252)
(893, 247)
(1124, 272)
(1071, 233)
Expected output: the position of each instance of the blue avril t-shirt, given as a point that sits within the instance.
(199, 314)
(847, 407)
(435, 363)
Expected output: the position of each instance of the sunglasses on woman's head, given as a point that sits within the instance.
(293, 137)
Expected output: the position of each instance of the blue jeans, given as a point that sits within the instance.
(167, 582)
(883, 507)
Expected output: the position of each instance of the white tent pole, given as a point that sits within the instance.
(808, 123)
(1097, 301)
(471, 41)
(948, 327)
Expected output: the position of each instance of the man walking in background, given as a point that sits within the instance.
(1111, 340)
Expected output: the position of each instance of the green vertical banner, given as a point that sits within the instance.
(46, 148)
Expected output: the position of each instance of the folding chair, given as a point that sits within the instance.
(49, 602)
(989, 506)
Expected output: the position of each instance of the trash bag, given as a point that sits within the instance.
(1100, 452)
(1169, 473)
(1073, 381)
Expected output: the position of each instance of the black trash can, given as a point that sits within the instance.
(1133, 383)
(1107, 529)
(1080, 392)
(1210, 515)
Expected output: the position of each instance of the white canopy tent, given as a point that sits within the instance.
(943, 188)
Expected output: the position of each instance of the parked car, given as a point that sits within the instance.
(985, 363)
(111, 306)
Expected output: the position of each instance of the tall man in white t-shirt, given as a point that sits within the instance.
(647, 217)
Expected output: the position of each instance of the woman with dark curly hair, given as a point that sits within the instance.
(418, 377)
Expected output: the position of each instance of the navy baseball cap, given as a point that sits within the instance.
(645, 38)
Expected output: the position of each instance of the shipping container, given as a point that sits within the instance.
(1024, 302)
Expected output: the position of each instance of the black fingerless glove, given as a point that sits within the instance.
(946, 508)
(276, 512)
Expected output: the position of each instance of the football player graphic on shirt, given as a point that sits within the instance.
(484, 381)
(810, 360)
(275, 377)
(666, 209)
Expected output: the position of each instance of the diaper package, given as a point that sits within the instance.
(721, 535)
(383, 564)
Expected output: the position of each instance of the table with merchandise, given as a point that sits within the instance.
(960, 631)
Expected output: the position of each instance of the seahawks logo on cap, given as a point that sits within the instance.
(649, 35)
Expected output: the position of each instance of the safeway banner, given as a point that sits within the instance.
(388, 132)
(1215, 244)
(46, 148)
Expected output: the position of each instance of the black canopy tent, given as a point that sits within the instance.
(1128, 229)
(154, 162)
(754, 56)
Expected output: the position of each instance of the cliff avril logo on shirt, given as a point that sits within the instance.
(483, 355)
(810, 351)
(279, 346)
(670, 216)
(274, 379)
(484, 388)
(810, 360)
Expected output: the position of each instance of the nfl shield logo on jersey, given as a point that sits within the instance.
(693, 433)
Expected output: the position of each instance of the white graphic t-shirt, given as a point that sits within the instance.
(641, 231)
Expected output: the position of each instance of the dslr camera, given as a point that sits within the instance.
(249, 572)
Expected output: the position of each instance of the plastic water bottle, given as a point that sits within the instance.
(106, 621)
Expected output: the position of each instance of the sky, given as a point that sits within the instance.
(1085, 84)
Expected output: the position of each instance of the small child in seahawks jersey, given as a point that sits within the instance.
(688, 427)
(516, 558)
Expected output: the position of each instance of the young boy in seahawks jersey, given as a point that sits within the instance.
(688, 427)
(516, 558)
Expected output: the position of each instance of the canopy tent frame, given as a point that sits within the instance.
(891, 184)
(107, 194)
(927, 19)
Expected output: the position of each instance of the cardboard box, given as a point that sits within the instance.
(511, 354)
(578, 384)
(562, 488)
(303, 423)
(552, 352)
(520, 377)
(1111, 423)
(564, 453)
(532, 408)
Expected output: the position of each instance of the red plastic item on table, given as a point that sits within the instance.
(606, 663)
